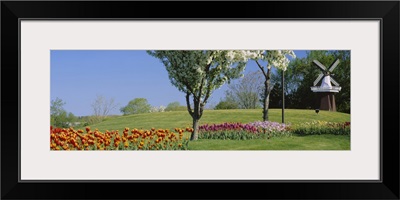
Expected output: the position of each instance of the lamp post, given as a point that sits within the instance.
(283, 96)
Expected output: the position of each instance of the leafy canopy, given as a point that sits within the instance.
(199, 72)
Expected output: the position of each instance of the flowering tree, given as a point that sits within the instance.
(274, 58)
(197, 73)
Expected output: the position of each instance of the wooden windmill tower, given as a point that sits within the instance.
(326, 92)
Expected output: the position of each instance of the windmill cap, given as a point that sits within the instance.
(335, 89)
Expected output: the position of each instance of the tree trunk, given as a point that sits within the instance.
(266, 101)
(195, 133)
(267, 92)
(196, 115)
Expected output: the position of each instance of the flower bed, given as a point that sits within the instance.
(154, 139)
(239, 131)
(322, 127)
(272, 129)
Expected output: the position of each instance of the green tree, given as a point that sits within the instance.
(197, 73)
(59, 117)
(136, 106)
(342, 76)
(226, 104)
(291, 83)
(175, 106)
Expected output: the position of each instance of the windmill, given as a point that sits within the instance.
(326, 92)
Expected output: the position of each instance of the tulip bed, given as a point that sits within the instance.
(322, 127)
(154, 139)
(239, 131)
(164, 139)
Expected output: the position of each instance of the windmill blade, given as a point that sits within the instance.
(321, 66)
(318, 79)
(334, 65)
(334, 82)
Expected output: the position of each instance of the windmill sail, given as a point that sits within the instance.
(318, 79)
(321, 66)
(328, 86)
(334, 82)
(334, 65)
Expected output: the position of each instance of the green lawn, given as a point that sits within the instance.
(181, 119)
(312, 142)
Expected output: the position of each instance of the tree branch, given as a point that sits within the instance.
(208, 94)
(189, 88)
(267, 77)
(262, 68)
(201, 89)
(188, 104)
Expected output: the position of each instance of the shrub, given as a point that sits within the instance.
(175, 106)
(226, 105)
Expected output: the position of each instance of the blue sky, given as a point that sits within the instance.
(78, 76)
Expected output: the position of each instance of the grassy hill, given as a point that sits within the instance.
(181, 119)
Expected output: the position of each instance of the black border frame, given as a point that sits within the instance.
(385, 11)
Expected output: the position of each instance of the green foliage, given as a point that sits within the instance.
(222, 105)
(136, 106)
(322, 127)
(59, 117)
(175, 106)
(275, 97)
(212, 68)
(344, 107)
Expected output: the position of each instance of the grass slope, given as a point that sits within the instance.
(181, 119)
